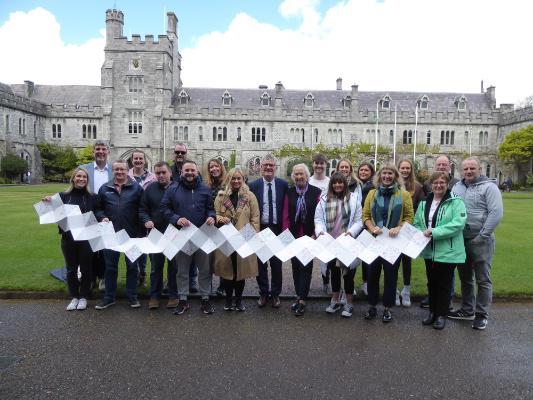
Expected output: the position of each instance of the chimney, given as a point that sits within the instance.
(355, 91)
(279, 88)
(28, 88)
(491, 94)
(482, 91)
(339, 83)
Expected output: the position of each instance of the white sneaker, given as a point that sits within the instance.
(82, 304)
(347, 311)
(406, 297)
(333, 307)
(73, 304)
(343, 297)
(398, 298)
(101, 285)
(364, 288)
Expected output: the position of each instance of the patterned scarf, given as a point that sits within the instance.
(394, 211)
(301, 210)
(241, 203)
(331, 213)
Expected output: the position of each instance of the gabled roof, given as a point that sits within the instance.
(63, 94)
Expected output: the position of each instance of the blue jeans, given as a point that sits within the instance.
(156, 276)
(111, 273)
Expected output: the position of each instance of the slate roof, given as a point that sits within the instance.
(332, 99)
(5, 88)
(63, 94)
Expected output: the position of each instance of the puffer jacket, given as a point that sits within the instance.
(120, 208)
(447, 244)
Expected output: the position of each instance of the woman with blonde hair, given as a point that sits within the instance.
(415, 189)
(387, 206)
(236, 205)
(77, 253)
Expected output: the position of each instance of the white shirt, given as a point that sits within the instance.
(264, 219)
(433, 208)
(101, 177)
(322, 184)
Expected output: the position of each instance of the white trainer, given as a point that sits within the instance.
(82, 304)
(364, 288)
(73, 304)
(398, 298)
(406, 297)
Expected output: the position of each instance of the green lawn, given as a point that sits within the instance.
(29, 250)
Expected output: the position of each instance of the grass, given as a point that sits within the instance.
(29, 250)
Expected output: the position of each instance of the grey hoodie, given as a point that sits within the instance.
(484, 207)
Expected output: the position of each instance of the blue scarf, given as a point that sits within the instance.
(394, 210)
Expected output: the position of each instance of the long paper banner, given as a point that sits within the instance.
(227, 239)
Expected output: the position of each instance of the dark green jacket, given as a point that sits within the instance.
(447, 244)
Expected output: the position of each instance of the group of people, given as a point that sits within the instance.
(459, 217)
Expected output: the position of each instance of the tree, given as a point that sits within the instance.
(12, 166)
(85, 155)
(517, 150)
(57, 161)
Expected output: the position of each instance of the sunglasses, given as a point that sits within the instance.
(180, 153)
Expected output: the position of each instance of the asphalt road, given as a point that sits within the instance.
(121, 353)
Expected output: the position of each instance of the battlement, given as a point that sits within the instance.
(73, 110)
(22, 103)
(516, 116)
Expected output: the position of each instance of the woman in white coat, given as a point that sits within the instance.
(339, 213)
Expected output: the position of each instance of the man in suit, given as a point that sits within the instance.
(100, 172)
(270, 193)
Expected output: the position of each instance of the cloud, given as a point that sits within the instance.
(415, 45)
(34, 50)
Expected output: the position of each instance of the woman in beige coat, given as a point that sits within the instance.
(237, 205)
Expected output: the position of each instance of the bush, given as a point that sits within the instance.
(529, 181)
(12, 166)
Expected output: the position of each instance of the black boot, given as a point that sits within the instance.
(429, 319)
(440, 322)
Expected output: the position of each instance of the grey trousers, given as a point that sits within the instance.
(204, 273)
(479, 252)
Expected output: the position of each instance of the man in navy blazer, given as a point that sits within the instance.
(270, 193)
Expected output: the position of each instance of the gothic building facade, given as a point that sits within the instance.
(142, 103)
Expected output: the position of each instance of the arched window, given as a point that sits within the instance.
(200, 134)
(442, 138)
(452, 137)
(309, 100)
(59, 131)
(303, 135)
(423, 102)
(407, 137)
(467, 137)
(254, 166)
(480, 140)
(391, 136)
(54, 131)
(94, 131)
(20, 126)
(83, 131)
(186, 133)
(486, 138)
(332, 165)
(183, 98)
(487, 171)
(176, 134)
(265, 99)
(316, 135)
(428, 137)
(461, 103)
(385, 102)
(224, 134)
(214, 134)
(238, 134)
(223, 161)
(226, 99)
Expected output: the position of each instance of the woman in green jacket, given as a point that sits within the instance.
(442, 217)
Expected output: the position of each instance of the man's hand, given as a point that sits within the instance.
(183, 222)
(149, 224)
(210, 221)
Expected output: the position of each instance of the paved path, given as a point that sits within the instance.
(120, 353)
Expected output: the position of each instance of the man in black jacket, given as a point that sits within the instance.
(118, 202)
(184, 203)
(151, 217)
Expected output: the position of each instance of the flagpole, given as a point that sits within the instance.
(416, 126)
(376, 137)
(394, 138)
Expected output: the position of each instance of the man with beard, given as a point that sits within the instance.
(184, 203)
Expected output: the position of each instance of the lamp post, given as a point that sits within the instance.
(376, 135)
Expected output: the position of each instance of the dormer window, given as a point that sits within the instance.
(385, 102)
(183, 98)
(347, 102)
(265, 99)
(423, 102)
(461, 103)
(227, 99)
(309, 100)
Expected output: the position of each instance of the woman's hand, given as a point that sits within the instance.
(393, 232)
(427, 232)
(377, 231)
(224, 220)
(47, 198)
(347, 234)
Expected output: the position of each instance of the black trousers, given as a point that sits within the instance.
(390, 272)
(364, 270)
(406, 269)
(234, 285)
(274, 289)
(301, 275)
(440, 278)
(347, 278)
(78, 254)
(98, 265)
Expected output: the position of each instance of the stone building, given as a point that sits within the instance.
(142, 103)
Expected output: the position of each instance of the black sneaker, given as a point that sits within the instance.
(460, 314)
(228, 306)
(371, 313)
(134, 303)
(183, 306)
(207, 307)
(239, 306)
(480, 322)
(104, 304)
(387, 315)
(300, 310)
(294, 306)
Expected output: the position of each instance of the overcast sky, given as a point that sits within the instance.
(389, 45)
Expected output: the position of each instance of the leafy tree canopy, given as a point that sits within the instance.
(517, 147)
(13, 166)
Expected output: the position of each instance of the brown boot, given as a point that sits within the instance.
(172, 303)
(153, 303)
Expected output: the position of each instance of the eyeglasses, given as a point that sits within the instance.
(180, 153)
